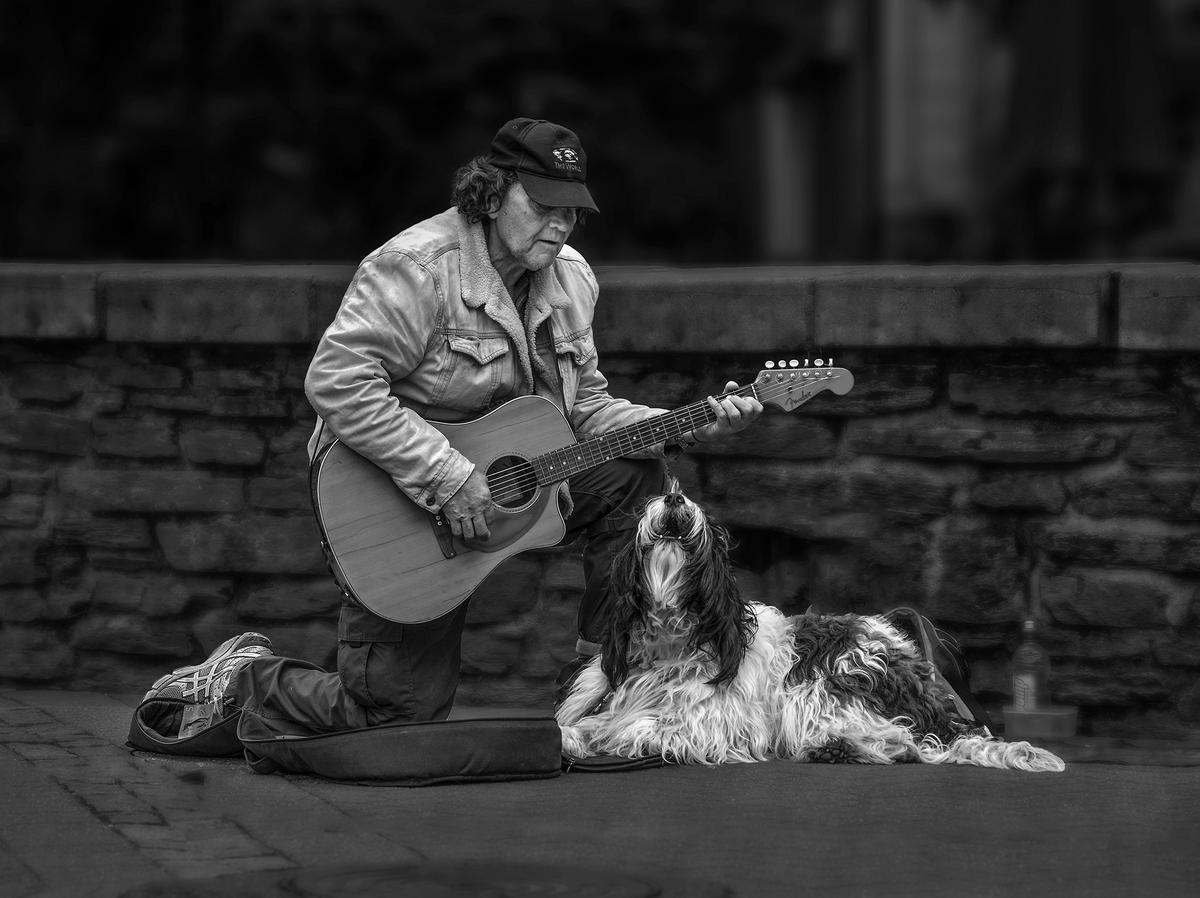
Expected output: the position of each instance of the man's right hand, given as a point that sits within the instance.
(470, 509)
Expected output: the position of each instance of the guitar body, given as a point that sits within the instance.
(388, 552)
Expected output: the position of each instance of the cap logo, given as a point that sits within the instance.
(568, 159)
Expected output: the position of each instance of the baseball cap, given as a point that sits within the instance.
(548, 159)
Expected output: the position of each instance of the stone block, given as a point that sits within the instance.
(280, 493)
(252, 544)
(290, 598)
(1021, 492)
(151, 595)
(1159, 307)
(29, 430)
(513, 691)
(171, 402)
(142, 377)
(329, 284)
(135, 437)
(287, 452)
(550, 642)
(1144, 544)
(1000, 306)
(784, 584)
(48, 301)
(660, 389)
(102, 671)
(1163, 448)
(1042, 390)
(133, 634)
(776, 436)
(820, 502)
(740, 310)
(76, 527)
(1177, 649)
(22, 557)
(205, 445)
(26, 604)
(975, 572)
(492, 650)
(1097, 644)
(152, 491)
(1188, 703)
(33, 654)
(45, 382)
(1111, 682)
(869, 576)
(21, 510)
(507, 592)
(563, 573)
(249, 407)
(993, 442)
(1164, 497)
(208, 304)
(104, 558)
(1118, 599)
(884, 389)
(255, 380)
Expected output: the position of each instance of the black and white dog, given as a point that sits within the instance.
(692, 673)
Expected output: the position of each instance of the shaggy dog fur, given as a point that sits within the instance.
(693, 674)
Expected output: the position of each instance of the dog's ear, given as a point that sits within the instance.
(625, 609)
(725, 622)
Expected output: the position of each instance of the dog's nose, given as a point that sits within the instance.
(673, 499)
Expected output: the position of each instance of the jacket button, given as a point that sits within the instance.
(430, 500)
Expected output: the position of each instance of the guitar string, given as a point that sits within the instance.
(525, 478)
(521, 480)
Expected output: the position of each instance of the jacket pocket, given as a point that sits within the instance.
(580, 349)
(573, 355)
(476, 367)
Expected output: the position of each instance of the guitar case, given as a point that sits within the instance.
(398, 754)
(410, 754)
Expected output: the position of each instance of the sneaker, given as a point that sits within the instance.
(202, 686)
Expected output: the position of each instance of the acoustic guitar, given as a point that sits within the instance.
(402, 562)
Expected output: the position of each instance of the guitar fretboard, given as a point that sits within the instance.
(559, 464)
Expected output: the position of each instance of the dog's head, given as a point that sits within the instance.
(673, 593)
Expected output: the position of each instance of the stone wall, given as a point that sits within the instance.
(1020, 440)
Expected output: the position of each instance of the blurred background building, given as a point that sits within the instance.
(718, 131)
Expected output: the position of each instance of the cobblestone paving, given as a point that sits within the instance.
(170, 816)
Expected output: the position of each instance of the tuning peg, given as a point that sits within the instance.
(768, 364)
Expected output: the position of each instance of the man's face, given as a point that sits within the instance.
(527, 233)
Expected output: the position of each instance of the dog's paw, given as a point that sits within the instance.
(835, 751)
(573, 744)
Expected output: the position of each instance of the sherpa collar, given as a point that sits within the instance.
(482, 287)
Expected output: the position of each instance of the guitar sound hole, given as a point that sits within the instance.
(512, 482)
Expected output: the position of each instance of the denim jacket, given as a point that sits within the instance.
(427, 330)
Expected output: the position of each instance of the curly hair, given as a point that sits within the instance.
(479, 186)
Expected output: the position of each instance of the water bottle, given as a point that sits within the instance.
(1031, 672)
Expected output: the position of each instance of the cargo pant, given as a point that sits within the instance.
(391, 672)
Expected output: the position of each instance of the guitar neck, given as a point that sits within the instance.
(559, 464)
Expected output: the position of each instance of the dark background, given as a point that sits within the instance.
(721, 131)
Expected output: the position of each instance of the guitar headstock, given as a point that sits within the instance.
(789, 384)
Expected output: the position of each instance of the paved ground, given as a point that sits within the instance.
(84, 815)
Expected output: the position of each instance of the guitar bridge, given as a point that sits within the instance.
(445, 538)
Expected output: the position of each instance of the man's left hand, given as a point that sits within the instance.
(733, 413)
